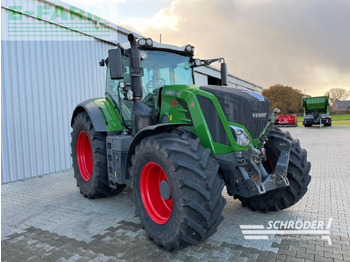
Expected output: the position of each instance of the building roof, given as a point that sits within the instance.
(343, 104)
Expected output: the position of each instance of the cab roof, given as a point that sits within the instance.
(162, 47)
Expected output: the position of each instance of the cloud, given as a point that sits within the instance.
(304, 44)
(163, 20)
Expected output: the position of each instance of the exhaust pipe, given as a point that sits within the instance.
(136, 71)
(141, 114)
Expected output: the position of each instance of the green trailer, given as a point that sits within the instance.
(177, 144)
(316, 111)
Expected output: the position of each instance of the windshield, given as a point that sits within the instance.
(160, 68)
(164, 68)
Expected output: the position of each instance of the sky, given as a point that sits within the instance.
(300, 43)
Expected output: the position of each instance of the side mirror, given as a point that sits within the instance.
(115, 63)
(223, 71)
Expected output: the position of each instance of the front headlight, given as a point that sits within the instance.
(142, 41)
(149, 41)
(197, 62)
(189, 49)
(143, 55)
(241, 137)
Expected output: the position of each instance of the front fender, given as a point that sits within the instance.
(146, 132)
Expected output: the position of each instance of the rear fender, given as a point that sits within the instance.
(98, 121)
(103, 113)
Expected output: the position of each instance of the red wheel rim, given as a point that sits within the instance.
(158, 209)
(84, 156)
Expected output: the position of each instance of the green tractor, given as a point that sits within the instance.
(178, 144)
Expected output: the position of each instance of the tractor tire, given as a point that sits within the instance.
(89, 159)
(176, 189)
(298, 176)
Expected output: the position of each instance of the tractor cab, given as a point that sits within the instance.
(161, 65)
(154, 66)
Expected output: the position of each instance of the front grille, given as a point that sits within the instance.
(216, 128)
(241, 106)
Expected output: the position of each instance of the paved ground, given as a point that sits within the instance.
(46, 219)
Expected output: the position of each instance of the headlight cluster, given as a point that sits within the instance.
(241, 137)
(145, 42)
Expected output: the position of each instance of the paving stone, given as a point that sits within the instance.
(327, 249)
(333, 255)
(309, 246)
(47, 218)
(323, 259)
(345, 247)
(347, 258)
(260, 253)
(287, 252)
(305, 256)
(293, 259)
(314, 252)
(273, 255)
(299, 249)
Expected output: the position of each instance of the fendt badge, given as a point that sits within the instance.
(259, 115)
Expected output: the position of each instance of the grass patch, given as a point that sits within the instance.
(341, 117)
(341, 123)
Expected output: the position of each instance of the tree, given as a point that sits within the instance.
(337, 94)
(285, 98)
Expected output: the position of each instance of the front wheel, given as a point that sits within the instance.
(297, 174)
(176, 189)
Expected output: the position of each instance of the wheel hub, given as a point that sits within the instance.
(164, 189)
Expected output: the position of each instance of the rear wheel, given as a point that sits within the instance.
(176, 189)
(298, 176)
(89, 159)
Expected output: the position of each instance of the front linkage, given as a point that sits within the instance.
(254, 179)
(250, 173)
